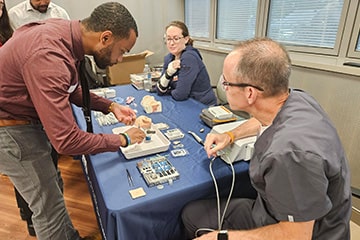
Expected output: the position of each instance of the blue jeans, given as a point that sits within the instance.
(25, 157)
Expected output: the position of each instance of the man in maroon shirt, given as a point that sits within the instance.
(38, 83)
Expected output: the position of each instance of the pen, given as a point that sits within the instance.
(130, 179)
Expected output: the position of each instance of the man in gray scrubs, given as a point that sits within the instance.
(299, 168)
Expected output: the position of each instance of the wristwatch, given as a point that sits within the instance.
(222, 235)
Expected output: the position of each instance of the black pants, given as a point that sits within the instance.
(21, 203)
(203, 214)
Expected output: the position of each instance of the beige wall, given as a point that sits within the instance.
(339, 96)
(151, 16)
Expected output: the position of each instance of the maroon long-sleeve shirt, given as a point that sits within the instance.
(39, 81)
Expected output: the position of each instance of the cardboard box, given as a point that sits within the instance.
(119, 73)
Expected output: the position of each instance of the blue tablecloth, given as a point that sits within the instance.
(156, 216)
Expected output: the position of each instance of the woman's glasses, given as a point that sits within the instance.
(174, 39)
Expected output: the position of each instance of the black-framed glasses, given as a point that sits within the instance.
(226, 84)
(174, 39)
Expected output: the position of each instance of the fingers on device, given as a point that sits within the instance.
(241, 149)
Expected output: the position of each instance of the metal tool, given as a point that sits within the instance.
(196, 137)
(130, 179)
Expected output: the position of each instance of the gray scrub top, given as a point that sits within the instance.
(300, 171)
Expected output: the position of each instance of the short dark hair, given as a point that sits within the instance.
(111, 16)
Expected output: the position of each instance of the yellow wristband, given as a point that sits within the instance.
(231, 135)
(111, 107)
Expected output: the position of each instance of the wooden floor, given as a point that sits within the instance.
(77, 199)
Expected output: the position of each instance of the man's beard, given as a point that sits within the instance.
(42, 8)
(102, 58)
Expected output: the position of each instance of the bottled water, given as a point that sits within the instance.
(147, 78)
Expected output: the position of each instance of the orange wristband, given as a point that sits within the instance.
(231, 135)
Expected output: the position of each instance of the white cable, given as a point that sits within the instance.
(217, 192)
(203, 229)
(230, 194)
(220, 220)
(217, 195)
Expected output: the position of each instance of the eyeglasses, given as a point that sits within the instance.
(174, 39)
(226, 84)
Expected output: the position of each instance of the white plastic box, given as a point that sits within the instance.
(158, 143)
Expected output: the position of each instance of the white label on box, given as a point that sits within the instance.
(220, 112)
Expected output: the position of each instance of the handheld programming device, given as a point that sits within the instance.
(241, 149)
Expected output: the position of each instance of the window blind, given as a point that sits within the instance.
(197, 17)
(305, 22)
(236, 19)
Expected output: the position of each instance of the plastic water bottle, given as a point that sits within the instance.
(147, 78)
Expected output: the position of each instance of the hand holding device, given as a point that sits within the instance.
(136, 135)
(214, 143)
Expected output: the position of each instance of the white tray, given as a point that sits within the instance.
(158, 143)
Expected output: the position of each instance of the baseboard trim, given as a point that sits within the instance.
(355, 216)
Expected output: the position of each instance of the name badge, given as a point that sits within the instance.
(72, 88)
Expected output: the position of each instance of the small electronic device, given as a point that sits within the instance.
(209, 118)
(129, 100)
(220, 112)
(157, 170)
(174, 133)
(104, 92)
(179, 152)
(161, 126)
(241, 149)
(222, 235)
